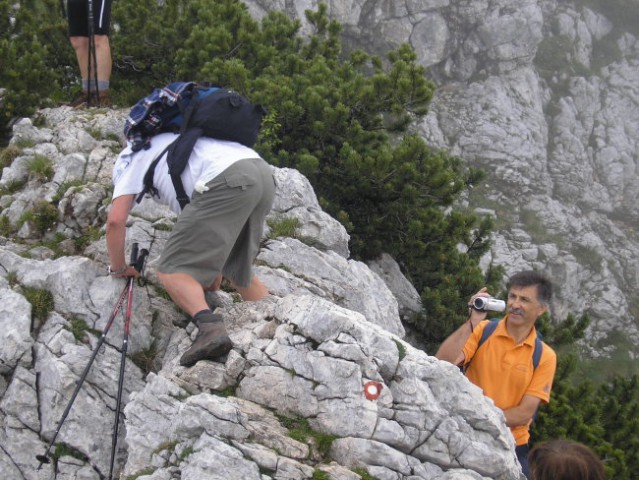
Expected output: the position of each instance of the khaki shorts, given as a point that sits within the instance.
(221, 229)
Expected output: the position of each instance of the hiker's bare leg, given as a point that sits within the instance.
(215, 286)
(212, 340)
(185, 291)
(81, 47)
(255, 291)
(102, 54)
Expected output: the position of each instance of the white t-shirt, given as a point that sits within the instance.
(209, 158)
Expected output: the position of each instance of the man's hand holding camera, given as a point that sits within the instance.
(479, 306)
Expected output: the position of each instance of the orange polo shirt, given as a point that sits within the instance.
(504, 371)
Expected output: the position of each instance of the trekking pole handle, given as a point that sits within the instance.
(139, 264)
(138, 257)
(134, 254)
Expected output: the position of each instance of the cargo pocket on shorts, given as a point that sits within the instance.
(241, 180)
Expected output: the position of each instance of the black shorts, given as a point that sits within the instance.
(77, 12)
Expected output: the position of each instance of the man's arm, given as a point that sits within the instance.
(522, 413)
(451, 349)
(538, 391)
(116, 235)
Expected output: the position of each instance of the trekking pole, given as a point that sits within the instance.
(138, 264)
(45, 457)
(93, 60)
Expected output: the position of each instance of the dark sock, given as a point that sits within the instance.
(205, 316)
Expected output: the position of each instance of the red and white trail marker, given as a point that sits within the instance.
(372, 390)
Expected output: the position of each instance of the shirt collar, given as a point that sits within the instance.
(501, 330)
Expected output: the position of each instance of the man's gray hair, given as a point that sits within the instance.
(529, 278)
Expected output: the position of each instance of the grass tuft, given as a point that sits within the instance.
(141, 473)
(8, 155)
(41, 302)
(299, 429)
(42, 217)
(401, 349)
(284, 227)
(40, 168)
(64, 450)
(145, 359)
(364, 475)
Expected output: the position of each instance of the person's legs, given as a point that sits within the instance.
(238, 267)
(102, 18)
(194, 256)
(185, 291)
(101, 64)
(79, 39)
(219, 231)
(81, 47)
(224, 223)
(522, 456)
(104, 61)
(255, 291)
(212, 339)
(215, 286)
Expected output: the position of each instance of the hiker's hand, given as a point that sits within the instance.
(129, 272)
(476, 316)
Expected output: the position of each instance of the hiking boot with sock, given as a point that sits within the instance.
(212, 340)
(102, 99)
(80, 100)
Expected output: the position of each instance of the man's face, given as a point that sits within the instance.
(523, 305)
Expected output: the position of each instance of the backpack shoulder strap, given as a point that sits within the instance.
(148, 177)
(489, 329)
(178, 156)
(187, 113)
(539, 347)
(180, 150)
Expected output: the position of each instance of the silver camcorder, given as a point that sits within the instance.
(489, 303)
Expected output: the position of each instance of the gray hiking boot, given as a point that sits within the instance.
(212, 341)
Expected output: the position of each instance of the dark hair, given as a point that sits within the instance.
(529, 278)
(564, 460)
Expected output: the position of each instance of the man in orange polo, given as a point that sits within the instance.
(503, 366)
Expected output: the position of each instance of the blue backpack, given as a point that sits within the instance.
(219, 112)
(192, 110)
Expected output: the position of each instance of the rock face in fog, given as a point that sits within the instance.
(543, 96)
